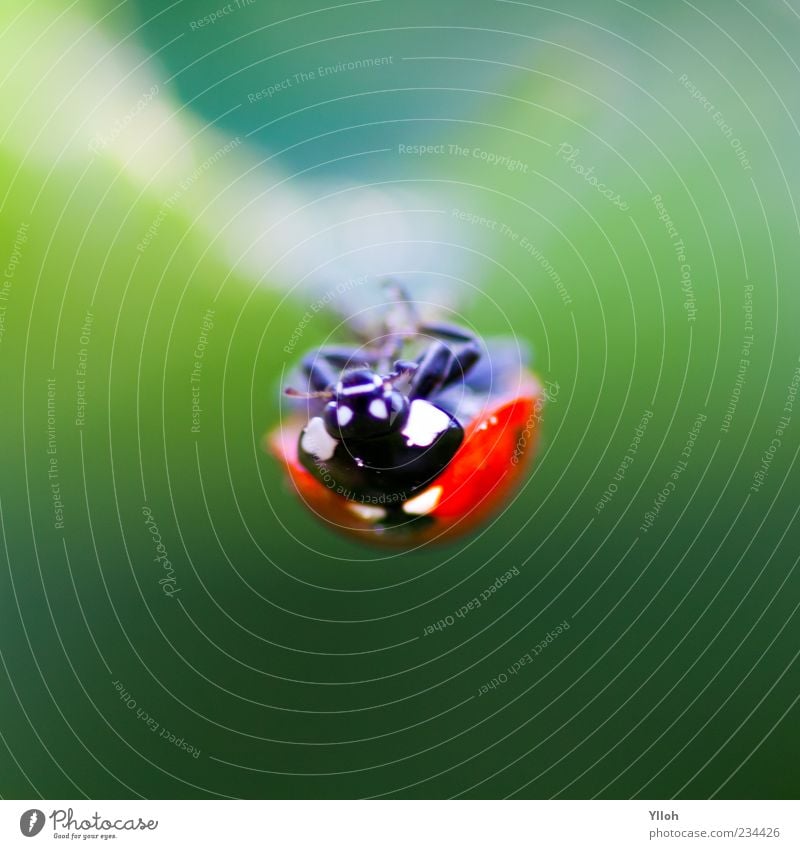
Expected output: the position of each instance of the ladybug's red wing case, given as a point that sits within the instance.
(490, 464)
(485, 471)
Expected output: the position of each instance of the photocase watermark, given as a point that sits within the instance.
(169, 583)
(671, 484)
(571, 155)
(66, 825)
(80, 369)
(744, 359)
(719, 119)
(185, 185)
(31, 822)
(159, 730)
(100, 141)
(212, 17)
(473, 604)
(206, 326)
(524, 660)
(781, 427)
(318, 73)
(8, 273)
(53, 477)
(625, 463)
(680, 255)
(319, 304)
(524, 243)
(549, 395)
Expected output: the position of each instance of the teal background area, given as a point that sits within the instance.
(296, 661)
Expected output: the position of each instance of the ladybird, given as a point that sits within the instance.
(419, 433)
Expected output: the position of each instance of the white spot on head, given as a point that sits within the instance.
(317, 441)
(377, 409)
(359, 388)
(343, 415)
(425, 423)
(367, 512)
(423, 503)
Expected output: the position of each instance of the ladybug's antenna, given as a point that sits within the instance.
(296, 393)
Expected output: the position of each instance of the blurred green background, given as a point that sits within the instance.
(613, 183)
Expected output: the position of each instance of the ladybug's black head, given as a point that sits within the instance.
(364, 405)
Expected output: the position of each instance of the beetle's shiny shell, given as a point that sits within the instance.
(487, 468)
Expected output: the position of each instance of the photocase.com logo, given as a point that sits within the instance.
(31, 822)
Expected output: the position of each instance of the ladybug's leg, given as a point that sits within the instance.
(403, 367)
(400, 321)
(432, 367)
(466, 349)
(448, 332)
(342, 357)
(324, 366)
(446, 361)
(440, 366)
(463, 360)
